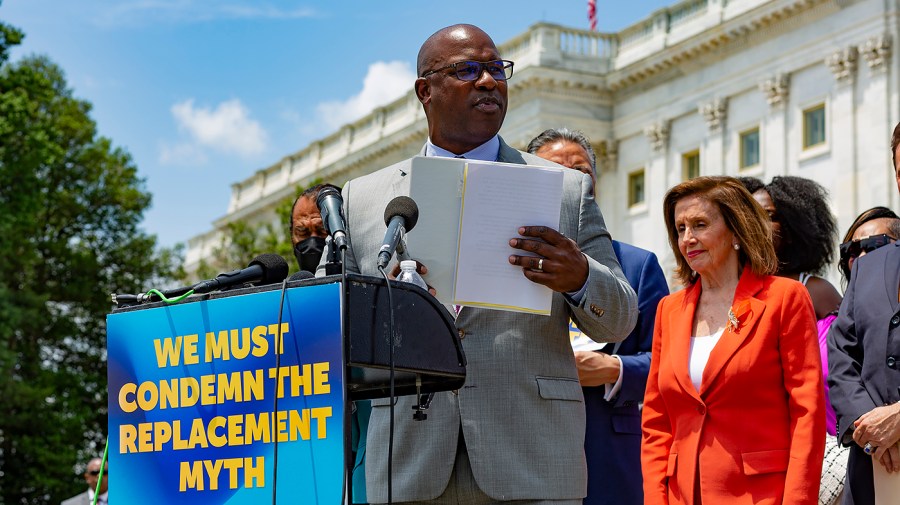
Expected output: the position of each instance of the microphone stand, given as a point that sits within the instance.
(334, 265)
(337, 263)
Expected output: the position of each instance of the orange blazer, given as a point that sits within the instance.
(755, 432)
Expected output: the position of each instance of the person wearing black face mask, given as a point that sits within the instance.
(308, 233)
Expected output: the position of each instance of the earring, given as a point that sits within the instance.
(737, 246)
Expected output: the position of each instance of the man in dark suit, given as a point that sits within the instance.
(91, 475)
(864, 365)
(515, 430)
(613, 378)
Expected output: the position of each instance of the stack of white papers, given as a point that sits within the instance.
(887, 485)
(468, 212)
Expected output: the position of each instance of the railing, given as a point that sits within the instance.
(683, 12)
(637, 32)
(586, 43)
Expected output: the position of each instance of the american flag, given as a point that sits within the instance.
(592, 14)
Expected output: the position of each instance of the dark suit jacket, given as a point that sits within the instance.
(612, 443)
(864, 357)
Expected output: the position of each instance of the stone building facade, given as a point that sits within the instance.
(734, 87)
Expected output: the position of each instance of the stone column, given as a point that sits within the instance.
(607, 155)
(773, 154)
(607, 179)
(875, 177)
(840, 120)
(712, 161)
(658, 180)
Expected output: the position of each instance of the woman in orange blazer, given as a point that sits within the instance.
(734, 410)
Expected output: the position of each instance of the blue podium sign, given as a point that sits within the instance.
(198, 404)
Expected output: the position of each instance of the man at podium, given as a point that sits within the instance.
(515, 431)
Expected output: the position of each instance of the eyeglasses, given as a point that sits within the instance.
(97, 472)
(854, 248)
(500, 70)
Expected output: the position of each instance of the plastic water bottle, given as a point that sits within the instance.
(409, 274)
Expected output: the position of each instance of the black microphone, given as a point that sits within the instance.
(263, 269)
(400, 216)
(329, 203)
(302, 275)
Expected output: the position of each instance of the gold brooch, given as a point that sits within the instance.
(732, 321)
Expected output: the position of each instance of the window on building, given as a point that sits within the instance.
(814, 126)
(636, 187)
(690, 165)
(750, 148)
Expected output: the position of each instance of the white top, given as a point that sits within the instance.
(701, 347)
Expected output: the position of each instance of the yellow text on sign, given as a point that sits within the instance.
(196, 474)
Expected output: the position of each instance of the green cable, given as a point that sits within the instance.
(102, 466)
(170, 300)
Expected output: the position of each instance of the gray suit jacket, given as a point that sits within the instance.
(521, 410)
(82, 499)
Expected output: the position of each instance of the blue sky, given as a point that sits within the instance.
(203, 93)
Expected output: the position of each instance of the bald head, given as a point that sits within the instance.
(431, 51)
(461, 114)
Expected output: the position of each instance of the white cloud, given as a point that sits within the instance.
(228, 128)
(184, 154)
(384, 83)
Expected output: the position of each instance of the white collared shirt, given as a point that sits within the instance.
(489, 151)
(103, 499)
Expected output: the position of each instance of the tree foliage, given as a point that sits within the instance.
(241, 242)
(70, 208)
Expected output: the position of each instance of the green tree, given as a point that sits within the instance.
(70, 208)
(240, 242)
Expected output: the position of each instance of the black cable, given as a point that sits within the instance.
(390, 479)
(279, 345)
(101, 474)
(346, 488)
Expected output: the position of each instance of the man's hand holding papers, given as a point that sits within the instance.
(559, 264)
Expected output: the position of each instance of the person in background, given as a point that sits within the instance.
(874, 228)
(804, 235)
(308, 233)
(613, 378)
(91, 476)
(734, 408)
(864, 365)
(515, 430)
(308, 236)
